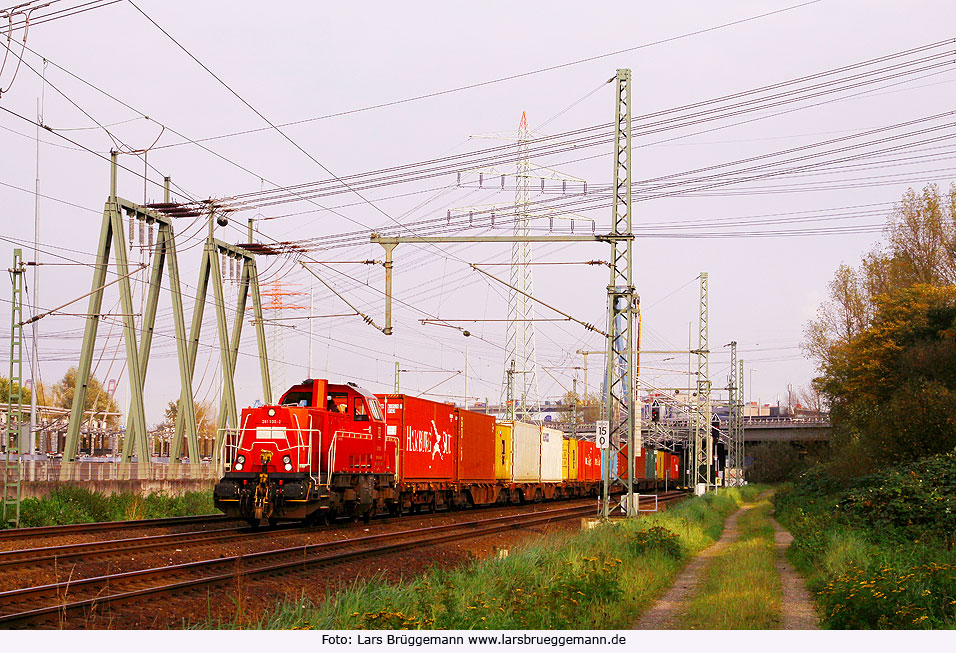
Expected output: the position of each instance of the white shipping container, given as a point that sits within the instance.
(551, 448)
(526, 453)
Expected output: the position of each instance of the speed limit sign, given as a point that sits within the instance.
(601, 434)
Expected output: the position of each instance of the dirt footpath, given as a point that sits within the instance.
(798, 613)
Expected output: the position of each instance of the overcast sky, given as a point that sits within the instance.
(299, 61)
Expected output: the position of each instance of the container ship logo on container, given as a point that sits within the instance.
(417, 441)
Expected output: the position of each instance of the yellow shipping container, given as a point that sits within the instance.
(503, 451)
(659, 465)
(569, 459)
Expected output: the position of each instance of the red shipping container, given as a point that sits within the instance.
(622, 464)
(476, 447)
(589, 462)
(584, 460)
(674, 466)
(427, 434)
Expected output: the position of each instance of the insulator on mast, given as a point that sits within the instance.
(142, 233)
(502, 182)
(542, 185)
(471, 215)
(448, 217)
(572, 225)
(149, 230)
(585, 188)
(459, 179)
(550, 224)
(492, 219)
(564, 186)
(481, 179)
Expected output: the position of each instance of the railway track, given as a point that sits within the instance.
(62, 601)
(75, 529)
(18, 558)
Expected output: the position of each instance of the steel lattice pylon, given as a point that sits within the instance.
(733, 412)
(138, 345)
(740, 442)
(520, 337)
(13, 436)
(703, 442)
(619, 379)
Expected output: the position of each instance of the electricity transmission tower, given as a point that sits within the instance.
(277, 307)
(520, 336)
(620, 380)
(520, 339)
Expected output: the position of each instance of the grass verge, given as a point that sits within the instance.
(600, 578)
(69, 504)
(743, 578)
(868, 565)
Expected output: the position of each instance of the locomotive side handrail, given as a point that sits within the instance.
(328, 476)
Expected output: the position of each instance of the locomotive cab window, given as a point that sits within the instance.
(360, 413)
(375, 409)
(338, 402)
(297, 398)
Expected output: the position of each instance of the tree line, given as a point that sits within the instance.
(885, 340)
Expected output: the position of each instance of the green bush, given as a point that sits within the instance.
(916, 499)
(659, 539)
(774, 462)
(877, 551)
(70, 504)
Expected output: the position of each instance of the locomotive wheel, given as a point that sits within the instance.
(253, 523)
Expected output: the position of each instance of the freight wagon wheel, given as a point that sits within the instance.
(273, 521)
(253, 523)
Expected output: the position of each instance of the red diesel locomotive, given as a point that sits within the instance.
(328, 450)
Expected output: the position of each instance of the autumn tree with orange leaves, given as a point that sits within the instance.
(885, 340)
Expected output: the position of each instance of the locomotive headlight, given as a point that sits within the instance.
(238, 467)
(272, 412)
(241, 459)
(288, 463)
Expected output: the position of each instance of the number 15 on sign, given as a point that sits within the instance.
(601, 434)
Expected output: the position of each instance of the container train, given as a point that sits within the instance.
(326, 450)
